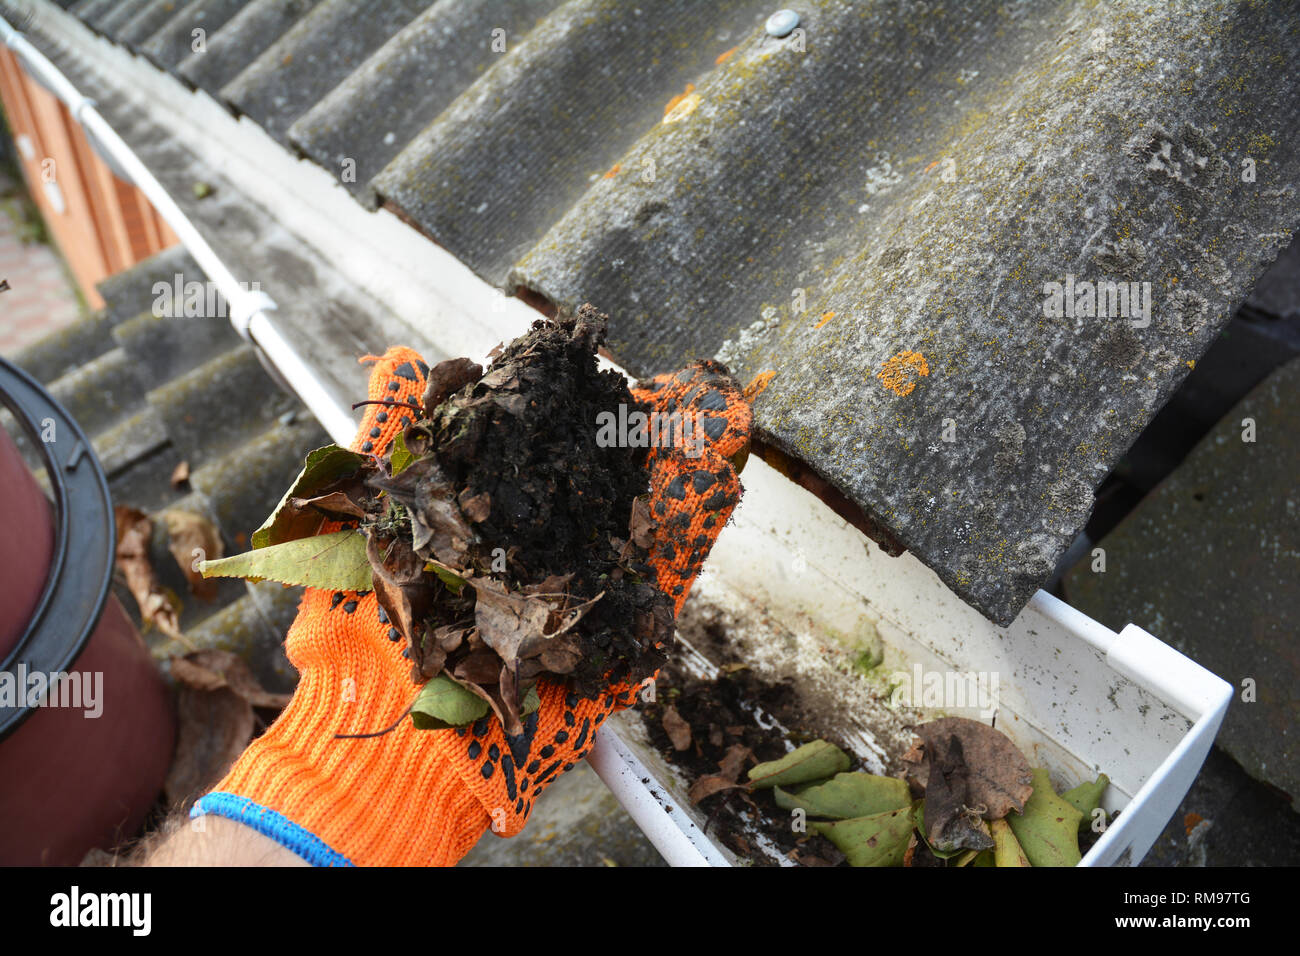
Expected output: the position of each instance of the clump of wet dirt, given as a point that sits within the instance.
(524, 435)
(755, 684)
(723, 726)
(830, 695)
(537, 535)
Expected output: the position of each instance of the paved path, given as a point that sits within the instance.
(40, 298)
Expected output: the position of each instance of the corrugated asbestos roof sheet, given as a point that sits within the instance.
(153, 387)
(868, 208)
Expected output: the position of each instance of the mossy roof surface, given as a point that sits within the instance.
(868, 208)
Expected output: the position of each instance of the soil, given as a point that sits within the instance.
(557, 498)
(716, 712)
(511, 493)
(773, 690)
(560, 503)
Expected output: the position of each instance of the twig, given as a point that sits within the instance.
(378, 733)
(388, 402)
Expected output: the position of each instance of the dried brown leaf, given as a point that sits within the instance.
(479, 667)
(476, 507)
(334, 504)
(708, 786)
(491, 692)
(432, 659)
(448, 377)
(158, 608)
(729, 768)
(396, 576)
(192, 538)
(951, 821)
(506, 618)
(677, 729)
(397, 606)
(642, 525)
(512, 689)
(213, 670)
(449, 637)
(553, 585)
(560, 655)
(214, 728)
(438, 526)
(999, 776)
(733, 761)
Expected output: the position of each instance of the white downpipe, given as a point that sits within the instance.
(247, 308)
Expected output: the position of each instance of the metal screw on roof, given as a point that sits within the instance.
(782, 23)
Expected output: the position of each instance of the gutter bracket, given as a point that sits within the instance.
(245, 307)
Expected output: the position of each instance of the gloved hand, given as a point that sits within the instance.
(424, 797)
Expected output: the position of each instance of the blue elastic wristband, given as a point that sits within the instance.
(274, 825)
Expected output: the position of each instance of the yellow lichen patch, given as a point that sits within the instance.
(758, 384)
(682, 105)
(826, 317)
(613, 170)
(897, 373)
(724, 57)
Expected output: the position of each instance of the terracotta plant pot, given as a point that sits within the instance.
(81, 768)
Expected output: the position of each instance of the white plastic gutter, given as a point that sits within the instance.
(1198, 694)
(247, 308)
(660, 818)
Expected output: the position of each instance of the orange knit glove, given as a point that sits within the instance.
(424, 797)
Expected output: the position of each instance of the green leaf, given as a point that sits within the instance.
(848, 795)
(532, 703)
(1086, 797)
(1006, 848)
(450, 578)
(336, 562)
(400, 457)
(323, 466)
(442, 704)
(1048, 830)
(815, 761)
(877, 840)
